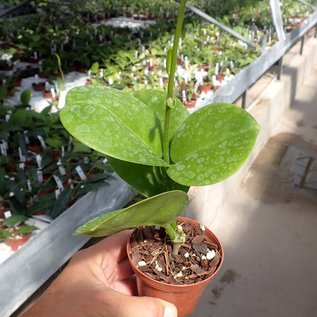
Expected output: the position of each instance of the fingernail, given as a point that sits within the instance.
(170, 311)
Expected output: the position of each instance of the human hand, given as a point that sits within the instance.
(99, 282)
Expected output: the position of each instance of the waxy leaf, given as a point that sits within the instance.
(114, 123)
(152, 180)
(147, 180)
(155, 100)
(212, 144)
(206, 147)
(155, 211)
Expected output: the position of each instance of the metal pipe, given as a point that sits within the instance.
(250, 74)
(280, 67)
(277, 19)
(308, 4)
(222, 26)
(244, 99)
(302, 45)
(11, 10)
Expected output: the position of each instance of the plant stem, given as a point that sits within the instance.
(176, 234)
(59, 66)
(170, 100)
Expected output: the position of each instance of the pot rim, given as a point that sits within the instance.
(183, 286)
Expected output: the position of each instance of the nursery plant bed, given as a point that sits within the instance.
(120, 74)
(42, 246)
(29, 267)
(250, 74)
(126, 22)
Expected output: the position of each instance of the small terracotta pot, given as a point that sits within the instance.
(220, 77)
(54, 154)
(190, 104)
(47, 94)
(38, 86)
(35, 148)
(28, 59)
(6, 67)
(17, 82)
(15, 244)
(204, 88)
(184, 297)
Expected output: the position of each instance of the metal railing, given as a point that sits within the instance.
(221, 25)
(15, 9)
(240, 83)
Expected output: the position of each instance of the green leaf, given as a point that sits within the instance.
(2, 181)
(61, 203)
(79, 147)
(155, 100)
(114, 123)
(19, 193)
(89, 187)
(4, 234)
(26, 118)
(147, 180)
(212, 144)
(158, 210)
(25, 97)
(26, 229)
(95, 68)
(101, 165)
(43, 204)
(3, 92)
(152, 180)
(47, 110)
(98, 177)
(14, 219)
(56, 141)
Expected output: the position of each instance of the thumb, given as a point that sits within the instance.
(133, 306)
(169, 309)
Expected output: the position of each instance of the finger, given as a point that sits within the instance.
(132, 306)
(170, 310)
(122, 278)
(127, 286)
(110, 250)
(148, 307)
(124, 270)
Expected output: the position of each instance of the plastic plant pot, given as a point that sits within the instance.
(184, 297)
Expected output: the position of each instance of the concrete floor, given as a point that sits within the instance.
(269, 229)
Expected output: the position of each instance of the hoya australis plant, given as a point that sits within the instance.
(155, 145)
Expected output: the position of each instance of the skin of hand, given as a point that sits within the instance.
(98, 282)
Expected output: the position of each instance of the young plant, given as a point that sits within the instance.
(61, 80)
(14, 227)
(155, 145)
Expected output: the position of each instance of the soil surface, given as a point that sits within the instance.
(197, 259)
